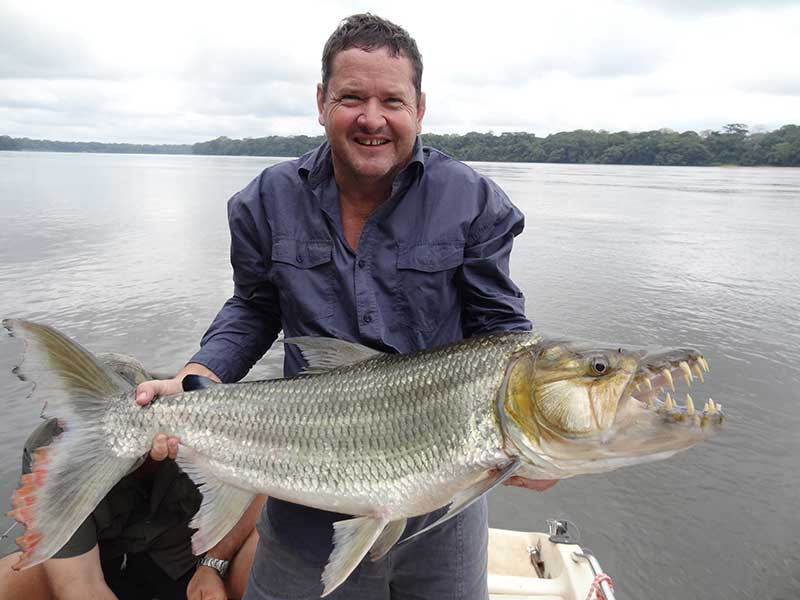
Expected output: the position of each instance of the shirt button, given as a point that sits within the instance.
(299, 258)
(368, 318)
(361, 263)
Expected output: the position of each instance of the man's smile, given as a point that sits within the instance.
(371, 142)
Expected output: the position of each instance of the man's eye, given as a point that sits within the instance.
(350, 98)
(393, 101)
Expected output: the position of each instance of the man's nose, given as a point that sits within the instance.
(371, 117)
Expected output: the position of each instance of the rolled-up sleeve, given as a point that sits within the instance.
(491, 301)
(249, 322)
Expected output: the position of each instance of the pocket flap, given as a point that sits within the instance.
(301, 253)
(431, 257)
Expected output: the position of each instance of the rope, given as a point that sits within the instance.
(5, 535)
(594, 589)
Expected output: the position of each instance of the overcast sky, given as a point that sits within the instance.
(181, 72)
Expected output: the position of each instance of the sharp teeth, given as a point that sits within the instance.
(711, 406)
(684, 366)
(703, 363)
(647, 385)
(689, 405)
(668, 403)
(706, 407)
(696, 368)
(668, 376)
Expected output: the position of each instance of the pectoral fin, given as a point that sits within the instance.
(466, 497)
(352, 539)
(222, 506)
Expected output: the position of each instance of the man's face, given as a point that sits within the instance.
(371, 114)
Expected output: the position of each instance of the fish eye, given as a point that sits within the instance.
(599, 365)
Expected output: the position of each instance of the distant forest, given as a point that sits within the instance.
(733, 145)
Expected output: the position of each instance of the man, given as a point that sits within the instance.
(135, 544)
(369, 238)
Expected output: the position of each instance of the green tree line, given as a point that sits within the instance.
(9, 143)
(734, 144)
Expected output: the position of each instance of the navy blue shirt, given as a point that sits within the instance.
(432, 267)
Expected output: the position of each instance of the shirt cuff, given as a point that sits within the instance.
(223, 360)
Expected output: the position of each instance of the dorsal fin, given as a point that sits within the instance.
(324, 353)
(196, 382)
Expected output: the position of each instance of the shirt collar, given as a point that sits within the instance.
(317, 166)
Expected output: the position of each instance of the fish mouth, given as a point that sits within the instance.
(654, 383)
(588, 409)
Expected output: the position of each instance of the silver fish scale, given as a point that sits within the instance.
(400, 432)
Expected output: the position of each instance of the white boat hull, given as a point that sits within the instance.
(512, 575)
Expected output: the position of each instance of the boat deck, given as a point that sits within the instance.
(527, 565)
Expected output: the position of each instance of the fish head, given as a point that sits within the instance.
(571, 409)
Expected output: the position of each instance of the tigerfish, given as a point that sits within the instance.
(382, 437)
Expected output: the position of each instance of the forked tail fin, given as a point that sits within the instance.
(71, 475)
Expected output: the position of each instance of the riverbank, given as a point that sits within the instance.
(734, 145)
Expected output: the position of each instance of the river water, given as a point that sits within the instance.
(130, 253)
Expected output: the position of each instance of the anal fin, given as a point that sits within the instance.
(352, 539)
(223, 504)
(388, 538)
(466, 497)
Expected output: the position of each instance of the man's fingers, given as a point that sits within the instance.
(147, 391)
(172, 447)
(164, 447)
(159, 451)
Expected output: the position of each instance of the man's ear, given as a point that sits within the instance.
(321, 104)
(420, 111)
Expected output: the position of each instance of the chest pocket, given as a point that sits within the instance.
(427, 291)
(302, 271)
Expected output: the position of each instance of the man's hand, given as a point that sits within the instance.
(206, 584)
(539, 485)
(164, 447)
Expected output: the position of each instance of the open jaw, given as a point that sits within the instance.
(620, 412)
(650, 424)
(653, 384)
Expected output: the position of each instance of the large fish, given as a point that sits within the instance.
(380, 436)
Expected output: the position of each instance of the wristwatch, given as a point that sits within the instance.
(219, 565)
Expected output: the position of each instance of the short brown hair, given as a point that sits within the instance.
(370, 32)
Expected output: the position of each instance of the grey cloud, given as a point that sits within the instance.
(55, 96)
(617, 59)
(251, 66)
(694, 7)
(39, 49)
(778, 86)
(609, 55)
(271, 99)
(29, 49)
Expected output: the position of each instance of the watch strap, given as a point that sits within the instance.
(218, 564)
